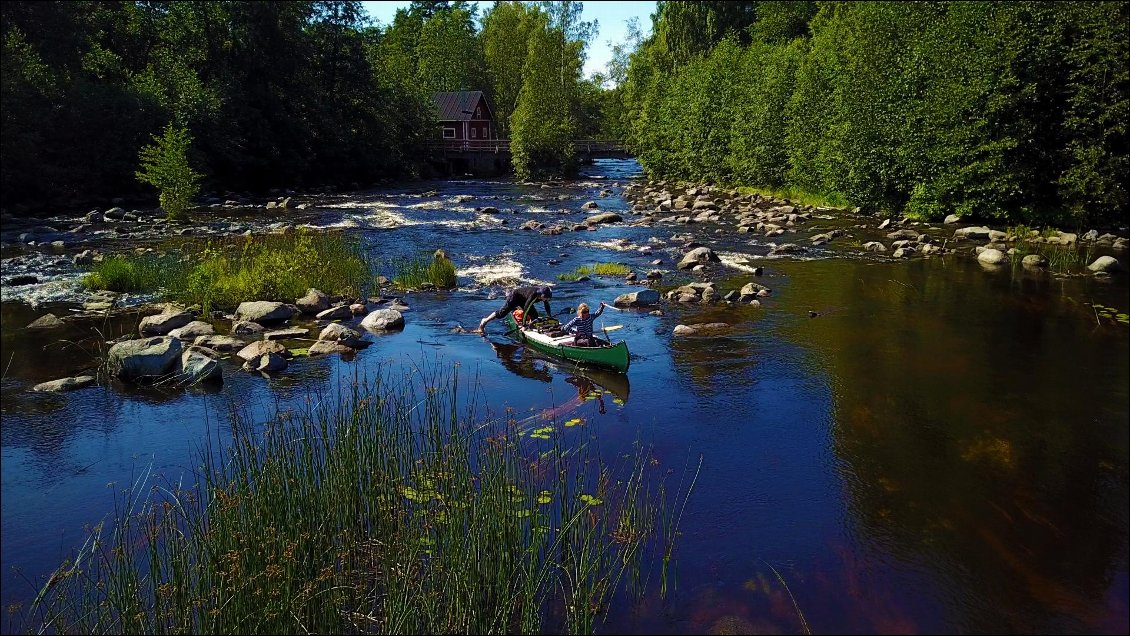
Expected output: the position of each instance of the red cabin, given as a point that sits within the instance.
(465, 115)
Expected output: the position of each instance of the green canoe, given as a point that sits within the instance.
(609, 356)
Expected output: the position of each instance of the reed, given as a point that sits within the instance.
(413, 273)
(223, 273)
(388, 509)
(599, 269)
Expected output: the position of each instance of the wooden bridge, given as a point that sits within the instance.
(492, 156)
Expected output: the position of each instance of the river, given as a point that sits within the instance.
(888, 446)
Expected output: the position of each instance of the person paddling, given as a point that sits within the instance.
(521, 298)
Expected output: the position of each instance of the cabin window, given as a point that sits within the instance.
(478, 112)
(449, 133)
(474, 132)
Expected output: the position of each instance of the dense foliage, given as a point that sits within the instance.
(991, 110)
(271, 94)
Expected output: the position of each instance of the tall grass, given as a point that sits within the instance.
(1063, 260)
(384, 511)
(600, 269)
(412, 273)
(223, 273)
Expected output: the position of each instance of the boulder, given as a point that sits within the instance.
(1106, 264)
(992, 256)
(193, 330)
(324, 347)
(607, 217)
(641, 298)
(64, 384)
(341, 312)
(271, 363)
(219, 343)
(196, 366)
(697, 256)
(263, 311)
(383, 320)
(247, 328)
(144, 357)
(701, 329)
(283, 334)
(259, 348)
(47, 321)
(162, 324)
(341, 334)
(313, 302)
(1035, 260)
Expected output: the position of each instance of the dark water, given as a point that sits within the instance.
(941, 449)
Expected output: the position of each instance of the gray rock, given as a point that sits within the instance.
(383, 320)
(247, 328)
(271, 363)
(1107, 264)
(607, 217)
(193, 330)
(874, 246)
(641, 298)
(341, 312)
(162, 324)
(219, 343)
(1035, 260)
(339, 333)
(47, 321)
(697, 256)
(196, 366)
(313, 302)
(701, 329)
(144, 357)
(323, 347)
(263, 311)
(283, 334)
(259, 348)
(64, 384)
(992, 256)
(951, 219)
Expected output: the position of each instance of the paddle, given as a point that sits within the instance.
(613, 327)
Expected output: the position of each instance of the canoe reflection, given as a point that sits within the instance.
(528, 363)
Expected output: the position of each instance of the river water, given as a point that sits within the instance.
(915, 446)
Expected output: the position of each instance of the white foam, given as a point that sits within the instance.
(735, 260)
(616, 245)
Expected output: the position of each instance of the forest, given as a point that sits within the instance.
(263, 95)
(997, 111)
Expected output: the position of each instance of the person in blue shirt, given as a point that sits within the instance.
(582, 326)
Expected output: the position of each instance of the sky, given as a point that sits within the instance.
(611, 15)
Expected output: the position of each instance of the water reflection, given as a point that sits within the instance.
(965, 458)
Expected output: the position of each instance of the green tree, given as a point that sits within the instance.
(164, 165)
(449, 53)
(505, 43)
(544, 123)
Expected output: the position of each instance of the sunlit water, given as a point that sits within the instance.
(940, 449)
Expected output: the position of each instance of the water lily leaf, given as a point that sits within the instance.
(297, 353)
(544, 497)
(521, 513)
(617, 401)
(590, 500)
(573, 422)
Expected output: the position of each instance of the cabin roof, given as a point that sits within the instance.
(459, 105)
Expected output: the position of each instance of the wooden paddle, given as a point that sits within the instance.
(613, 327)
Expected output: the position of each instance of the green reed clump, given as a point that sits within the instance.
(382, 511)
(600, 269)
(412, 273)
(134, 273)
(223, 273)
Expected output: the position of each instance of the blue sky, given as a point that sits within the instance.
(611, 15)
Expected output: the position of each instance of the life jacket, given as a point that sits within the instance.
(518, 315)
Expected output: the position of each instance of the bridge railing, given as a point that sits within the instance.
(588, 146)
(470, 145)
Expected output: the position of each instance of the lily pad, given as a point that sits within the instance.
(544, 497)
(590, 500)
(573, 422)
